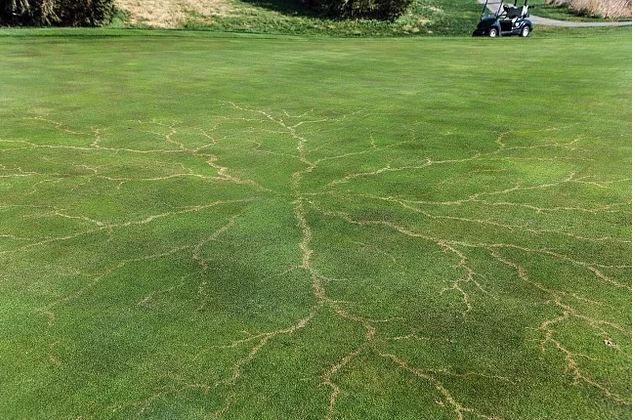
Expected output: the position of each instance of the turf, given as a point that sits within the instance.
(198, 226)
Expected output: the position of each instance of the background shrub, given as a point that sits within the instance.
(56, 12)
(369, 9)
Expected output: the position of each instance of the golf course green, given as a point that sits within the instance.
(204, 225)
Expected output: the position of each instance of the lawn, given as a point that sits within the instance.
(196, 225)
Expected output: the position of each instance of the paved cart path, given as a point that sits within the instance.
(563, 23)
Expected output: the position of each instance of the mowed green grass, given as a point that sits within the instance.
(199, 226)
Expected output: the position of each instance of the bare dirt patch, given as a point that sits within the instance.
(172, 13)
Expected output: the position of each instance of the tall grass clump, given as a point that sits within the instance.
(600, 8)
(56, 12)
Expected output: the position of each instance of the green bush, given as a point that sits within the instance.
(56, 12)
(368, 9)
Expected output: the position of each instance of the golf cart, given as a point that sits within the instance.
(507, 20)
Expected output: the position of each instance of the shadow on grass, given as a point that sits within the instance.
(287, 7)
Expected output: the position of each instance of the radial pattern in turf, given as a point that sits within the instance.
(196, 227)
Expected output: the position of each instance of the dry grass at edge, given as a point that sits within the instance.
(602, 8)
(171, 13)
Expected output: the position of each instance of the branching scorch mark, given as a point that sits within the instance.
(295, 127)
(306, 264)
(412, 205)
(169, 137)
(319, 292)
(567, 312)
(48, 309)
(105, 227)
(468, 279)
(458, 409)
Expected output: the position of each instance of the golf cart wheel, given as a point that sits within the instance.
(525, 31)
(492, 33)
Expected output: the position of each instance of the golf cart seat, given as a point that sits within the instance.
(513, 12)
